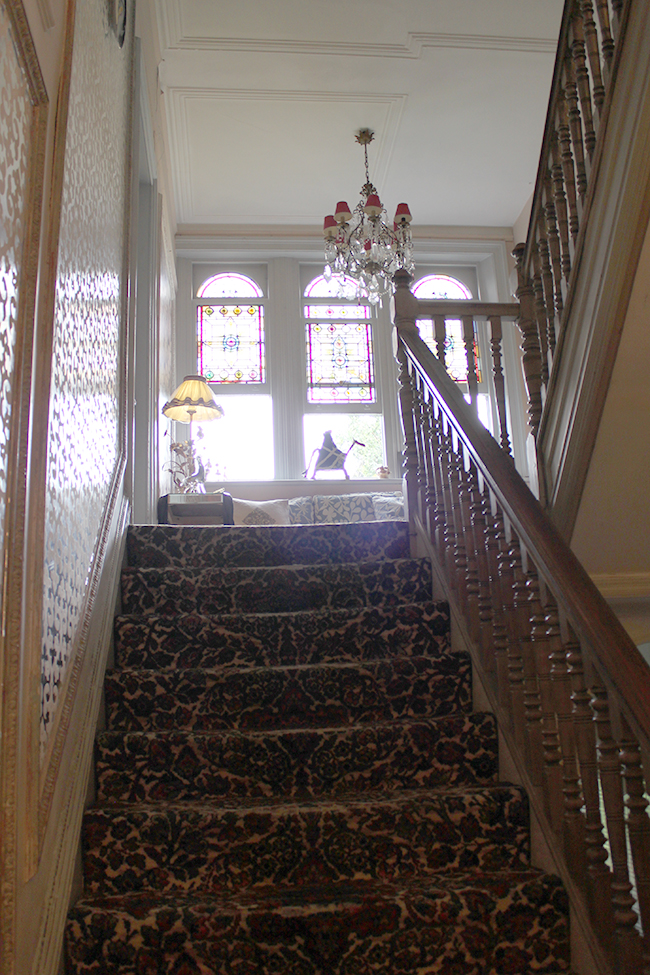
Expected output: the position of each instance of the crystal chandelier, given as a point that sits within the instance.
(361, 246)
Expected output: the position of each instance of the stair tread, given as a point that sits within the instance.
(169, 591)
(368, 633)
(250, 545)
(309, 696)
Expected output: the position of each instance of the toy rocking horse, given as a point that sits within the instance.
(330, 458)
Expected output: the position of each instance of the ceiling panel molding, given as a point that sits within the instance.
(179, 99)
(176, 37)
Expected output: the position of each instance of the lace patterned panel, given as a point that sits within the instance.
(84, 432)
(15, 144)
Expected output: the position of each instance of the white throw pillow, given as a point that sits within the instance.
(260, 512)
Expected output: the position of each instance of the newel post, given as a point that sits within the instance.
(527, 324)
(404, 310)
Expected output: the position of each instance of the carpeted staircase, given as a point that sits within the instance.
(293, 780)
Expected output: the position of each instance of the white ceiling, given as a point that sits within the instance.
(263, 98)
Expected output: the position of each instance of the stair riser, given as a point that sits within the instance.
(517, 927)
(312, 697)
(272, 641)
(169, 545)
(175, 767)
(211, 851)
(275, 590)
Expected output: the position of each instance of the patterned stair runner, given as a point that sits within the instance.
(292, 779)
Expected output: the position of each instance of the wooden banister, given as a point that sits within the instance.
(571, 690)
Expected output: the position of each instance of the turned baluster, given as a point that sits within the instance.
(551, 751)
(446, 459)
(591, 41)
(579, 54)
(598, 875)
(409, 454)
(463, 525)
(548, 285)
(564, 136)
(418, 431)
(440, 332)
(478, 532)
(561, 207)
(575, 126)
(470, 357)
(532, 358)
(606, 35)
(628, 946)
(429, 492)
(495, 545)
(573, 832)
(638, 828)
(438, 535)
(511, 574)
(532, 699)
(553, 239)
(540, 313)
(496, 335)
(459, 556)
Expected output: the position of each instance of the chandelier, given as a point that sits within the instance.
(360, 245)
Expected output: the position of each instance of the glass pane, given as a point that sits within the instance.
(230, 285)
(231, 343)
(441, 286)
(239, 446)
(337, 311)
(339, 363)
(455, 359)
(361, 462)
(320, 287)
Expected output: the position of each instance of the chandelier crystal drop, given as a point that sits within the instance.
(361, 246)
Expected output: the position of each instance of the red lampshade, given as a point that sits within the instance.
(330, 226)
(373, 205)
(402, 214)
(342, 212)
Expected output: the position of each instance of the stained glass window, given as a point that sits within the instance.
(444, 286)
(230, 334)
(339, 343)
(339, 363)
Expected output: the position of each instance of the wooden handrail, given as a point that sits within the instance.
(588, 56)
(571, 691)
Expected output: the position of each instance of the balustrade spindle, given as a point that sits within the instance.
(495, 549)
(607, 42)
(598, 875)
(446, 457)
(429, 468)
(573, 833)
(409, 454)
(548, 343)
(593, 53)
(532, 359)
(628, 947)
(466, 557)
(438, 536)
(579, 54)
(568, 169)
(638, 829)
(496, 338)
(559, 196)
(555, 258)
(478, 531)
(419, 436)
(575, 126)
(532, 700)
(553, 795)
(468, 340)
(514, 590)
(440, 331)
(541, 314)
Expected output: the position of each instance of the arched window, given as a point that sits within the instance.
(231, 354)
(340, 374)
(230, 331)
(443, 286)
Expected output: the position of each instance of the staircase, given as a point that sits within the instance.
(292, 779)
